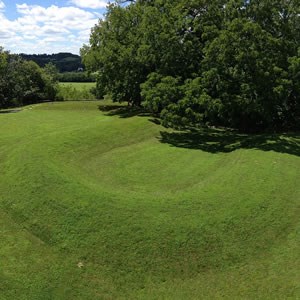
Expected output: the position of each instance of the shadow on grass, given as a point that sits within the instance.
(216, 141)
(211, 140)
(122, 111)
(10, 111)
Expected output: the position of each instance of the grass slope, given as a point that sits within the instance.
(95, 205)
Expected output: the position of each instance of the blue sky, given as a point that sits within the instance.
(48, 26)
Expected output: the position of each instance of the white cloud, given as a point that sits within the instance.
(58, 17)
(2, 5)
(46, 29)
(94, 4)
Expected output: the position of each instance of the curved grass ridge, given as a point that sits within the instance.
(96, 206)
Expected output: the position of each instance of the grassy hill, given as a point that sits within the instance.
(95, 204)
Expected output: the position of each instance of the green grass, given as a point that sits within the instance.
(76, 90)
(78, 85)
(95, 204)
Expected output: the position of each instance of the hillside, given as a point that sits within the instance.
(104, 204)
(65, 62)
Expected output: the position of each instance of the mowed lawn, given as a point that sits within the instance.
(95, 204)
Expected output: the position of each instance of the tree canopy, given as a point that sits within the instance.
(231, 63)
(24, 82)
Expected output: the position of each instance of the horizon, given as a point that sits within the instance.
(49, 26)
(55, 53)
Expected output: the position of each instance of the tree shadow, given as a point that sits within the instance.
(122, 111)
(10, 111)
(212, 140)
(217, 141)
(155, 121)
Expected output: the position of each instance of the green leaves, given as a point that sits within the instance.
(241, 54)
(159, 91)
(24, 82)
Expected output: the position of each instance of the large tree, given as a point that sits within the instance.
(233, 63)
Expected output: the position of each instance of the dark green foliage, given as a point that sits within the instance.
(51, 70)
(160, 91)
(65, 62)
(195, 107)
(114, 55)
(24, 82)
(76, 77)
(227, 63)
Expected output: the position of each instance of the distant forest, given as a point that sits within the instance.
(65, 62)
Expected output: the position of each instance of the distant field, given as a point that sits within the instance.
(76, 90)
(78, 85)
(100, 203)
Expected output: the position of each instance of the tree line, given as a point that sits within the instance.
(232, 63)
(64, 61)
(76, 77)
(24, 82)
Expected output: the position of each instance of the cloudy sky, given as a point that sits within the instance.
(47, 26)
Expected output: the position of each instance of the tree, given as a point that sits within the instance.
(230, 63)
(113, 54)
(24, 82)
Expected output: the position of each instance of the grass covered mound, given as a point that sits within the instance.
(98, 205)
